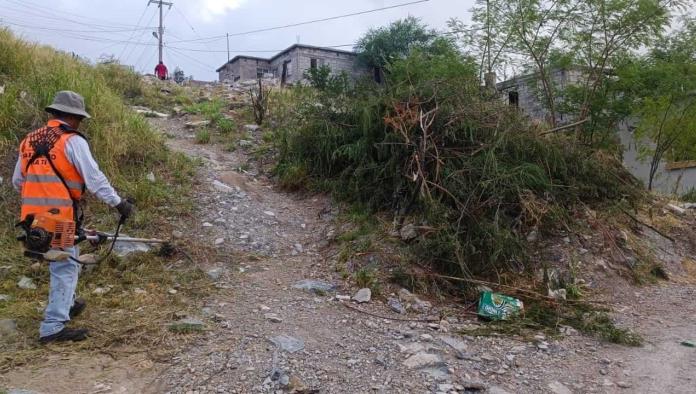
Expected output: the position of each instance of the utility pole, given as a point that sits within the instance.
(228, 47)
(160, 35)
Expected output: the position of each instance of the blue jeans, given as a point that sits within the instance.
(61, 295)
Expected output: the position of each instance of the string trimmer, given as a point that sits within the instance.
(45, 236)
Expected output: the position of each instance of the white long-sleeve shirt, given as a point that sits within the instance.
(79, 155)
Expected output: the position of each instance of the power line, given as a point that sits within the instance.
(70, 30)
(39, 11)
(207, 66)
(215, 38)
(183, 16)
(123, 51)
(130, 53)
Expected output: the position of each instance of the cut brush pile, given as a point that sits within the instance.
(470, 172)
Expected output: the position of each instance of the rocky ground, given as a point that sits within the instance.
(285, 322)
(270, 335)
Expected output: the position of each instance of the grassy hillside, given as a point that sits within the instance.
(127, 149)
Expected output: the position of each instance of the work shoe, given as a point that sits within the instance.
(65, 335)
(78, 307)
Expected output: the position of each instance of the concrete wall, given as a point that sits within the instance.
(243, 69)
(291, 57)
(300, 59)
(338, 62)
(530, 98)
(666, 181)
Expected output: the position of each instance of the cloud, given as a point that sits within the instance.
(209, 10)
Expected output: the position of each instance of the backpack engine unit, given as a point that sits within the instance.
(44, 232)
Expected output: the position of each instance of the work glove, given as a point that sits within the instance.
(125, 208)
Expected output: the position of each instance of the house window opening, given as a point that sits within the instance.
(313, 63)
(261, 72)
(514, 99)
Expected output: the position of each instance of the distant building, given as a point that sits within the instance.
(526, 93)
(290, 65)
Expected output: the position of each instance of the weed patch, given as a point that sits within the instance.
(203, 136)
(138, 300)
(548, 319)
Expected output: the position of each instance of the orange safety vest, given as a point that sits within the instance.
(51, 183)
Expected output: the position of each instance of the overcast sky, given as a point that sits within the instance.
(92, 28)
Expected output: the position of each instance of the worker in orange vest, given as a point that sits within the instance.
(55, 167)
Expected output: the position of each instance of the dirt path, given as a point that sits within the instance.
(323, 346)
(349, 352)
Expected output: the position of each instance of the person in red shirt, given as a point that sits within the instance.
(161, 71)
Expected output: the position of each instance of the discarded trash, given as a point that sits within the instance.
(689, 343)
(498, 306)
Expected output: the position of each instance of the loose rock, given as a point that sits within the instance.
(396, 306)
(408, 232)
(187, 325)
(215, 273)
(195, 125)
(314, 286)
(288, 343)
(8, 328)
(26, 283)
(559, 388)
(424, 360)
(222, 188)
(363, 296)
(273, 318)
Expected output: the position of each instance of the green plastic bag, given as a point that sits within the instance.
(498, 306)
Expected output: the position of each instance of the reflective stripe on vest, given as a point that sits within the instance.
(54, 179)
(78, 186)
(47, 202)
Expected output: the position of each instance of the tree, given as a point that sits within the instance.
(535, 28)
(603, 34)
(667, 111)
(485, 40)
(591, 36)
(380, 47)
(179, 75)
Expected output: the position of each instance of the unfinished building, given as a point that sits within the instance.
(290, 65)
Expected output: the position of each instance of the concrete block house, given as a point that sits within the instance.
(524, 93)
(290, 65)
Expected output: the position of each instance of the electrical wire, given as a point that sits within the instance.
(70, 30)
(183, 16)
(130, 53)
(133, 33)
(34, 10)
(216, 38)
(208, 67)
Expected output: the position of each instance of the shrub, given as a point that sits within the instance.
(427, 144)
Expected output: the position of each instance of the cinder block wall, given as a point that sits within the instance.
(244, 68)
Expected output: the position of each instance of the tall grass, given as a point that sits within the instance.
(126, 148)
